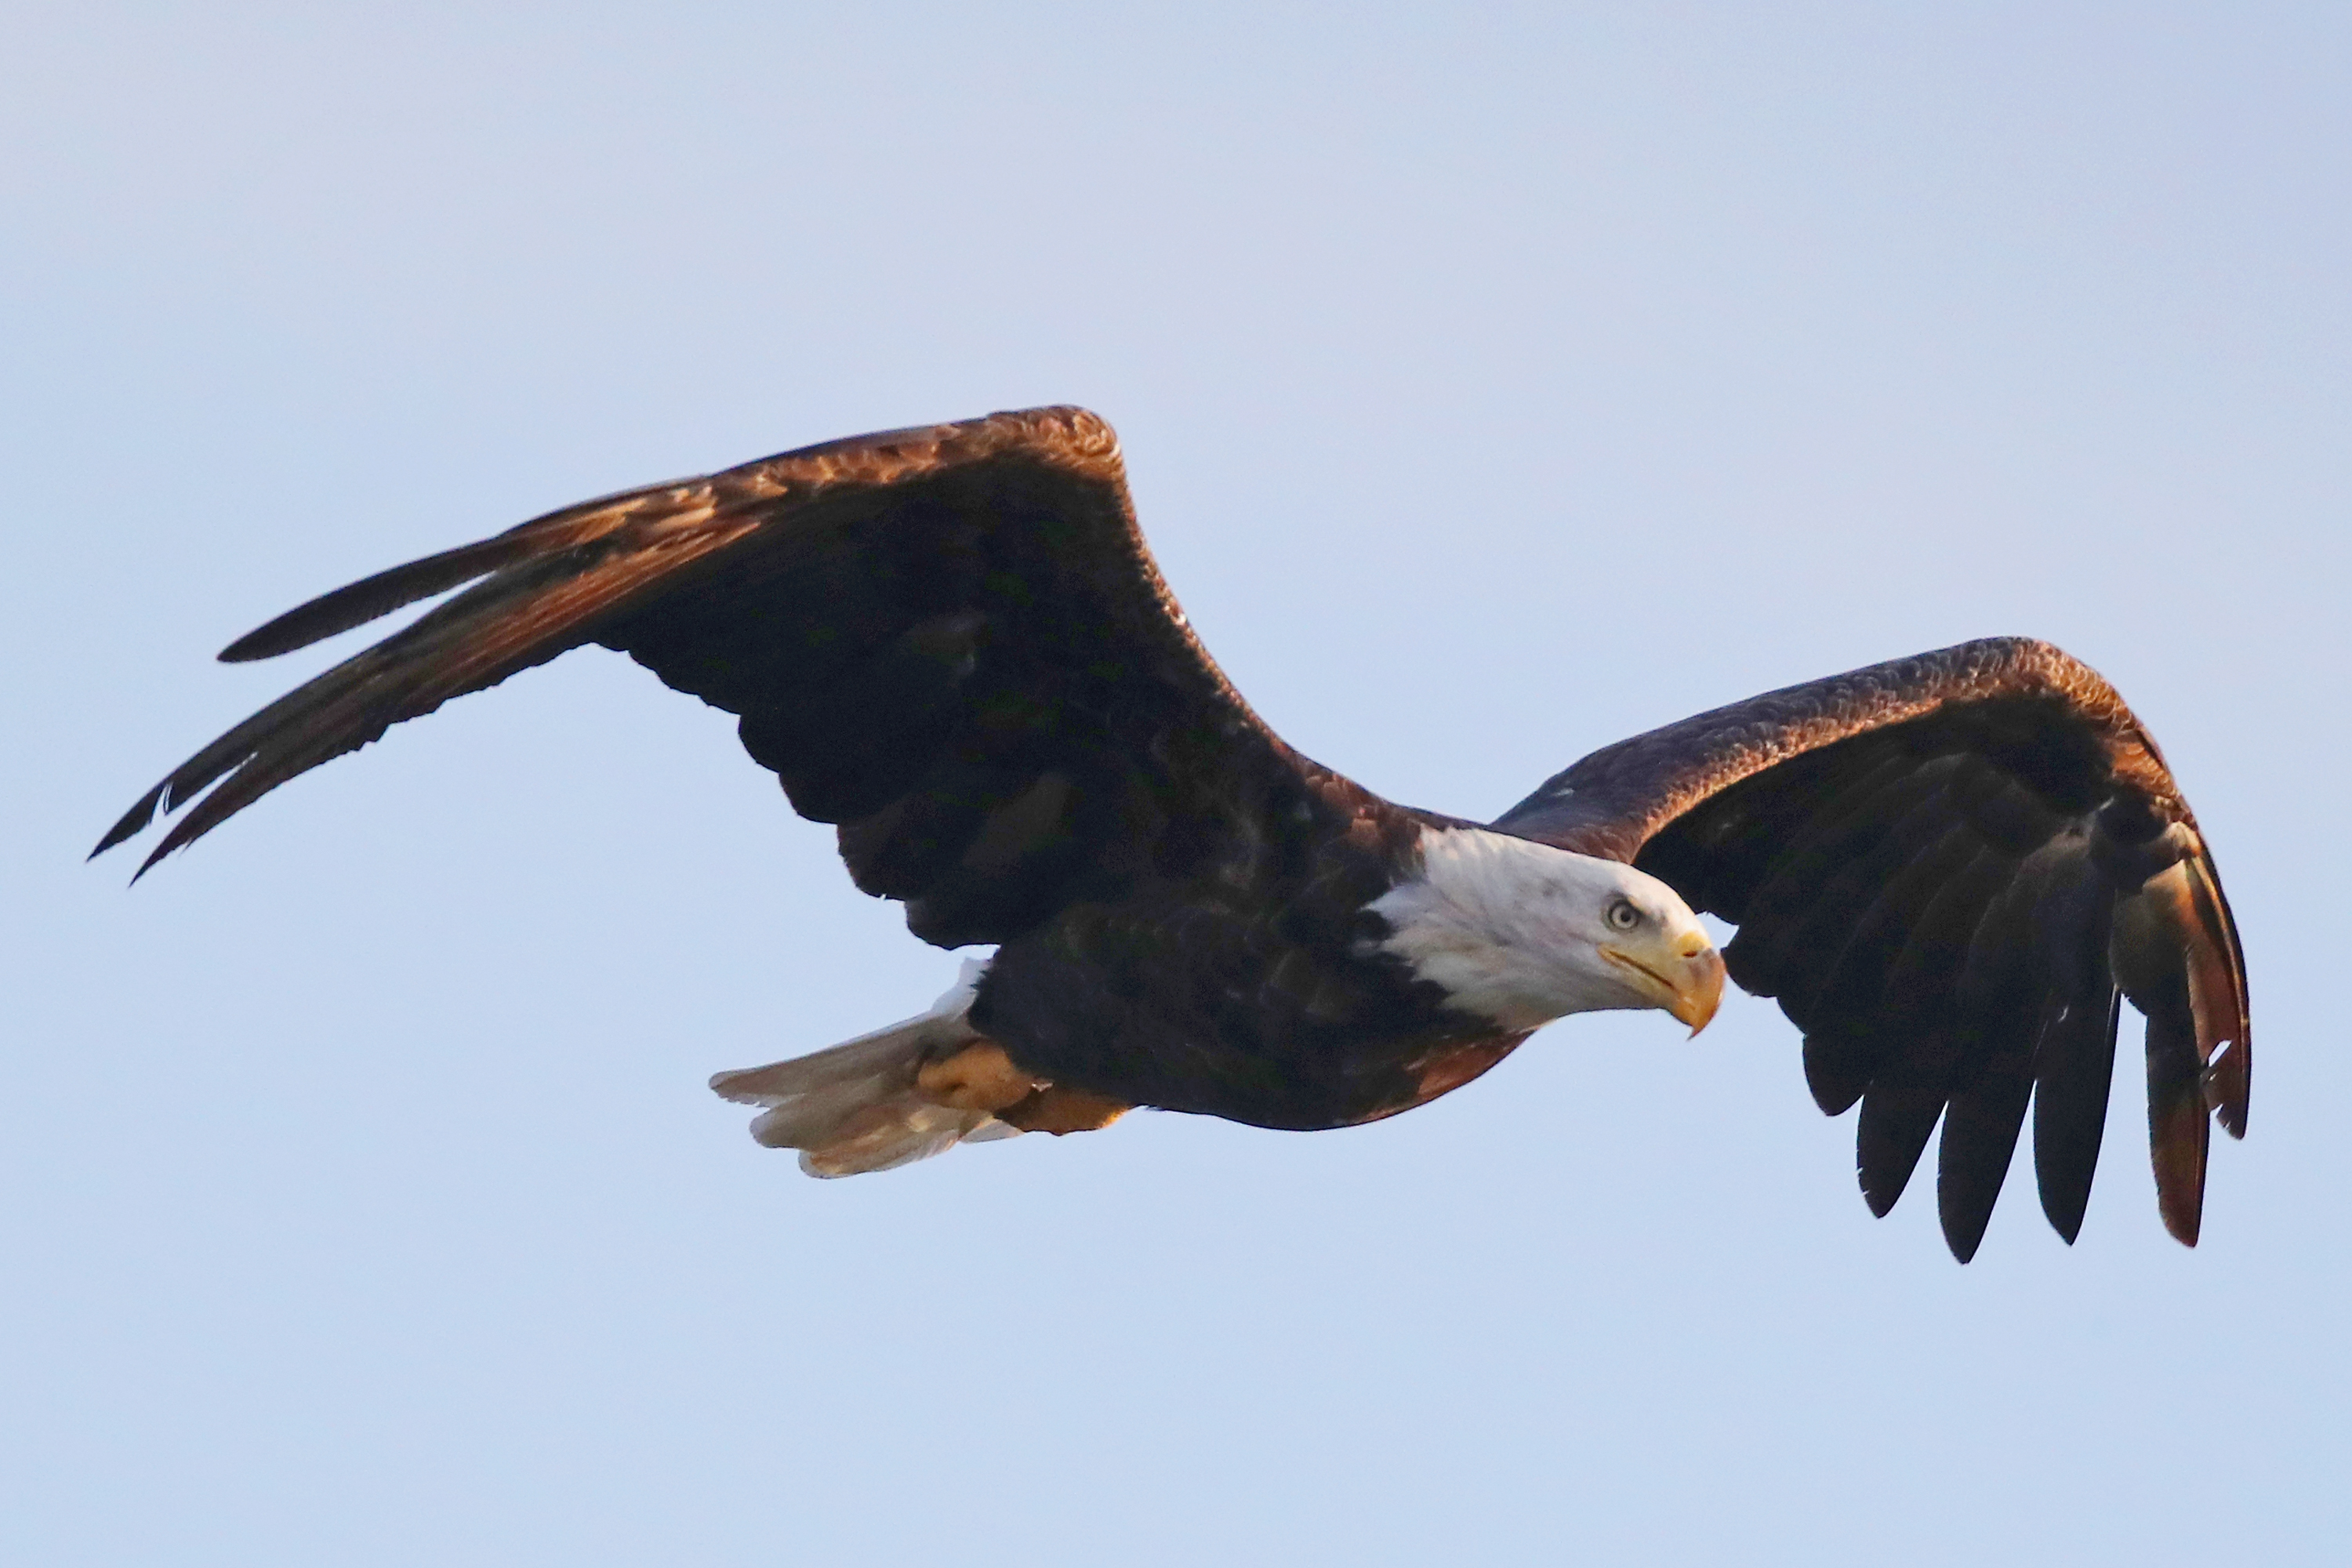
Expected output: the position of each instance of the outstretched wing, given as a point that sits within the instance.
(1946, 868)
(950, 641)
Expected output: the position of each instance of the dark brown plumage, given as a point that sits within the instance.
(1946, 867)
(952, 643)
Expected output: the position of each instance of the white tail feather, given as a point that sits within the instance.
(853, 1108)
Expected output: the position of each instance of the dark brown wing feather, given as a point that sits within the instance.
(951, 641)
(1946, 868)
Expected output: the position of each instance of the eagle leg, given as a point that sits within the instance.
(1059, 1108)
(979, 1077)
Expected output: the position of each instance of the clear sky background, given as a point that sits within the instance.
(1495, 382)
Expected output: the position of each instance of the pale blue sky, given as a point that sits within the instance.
(1495, 382)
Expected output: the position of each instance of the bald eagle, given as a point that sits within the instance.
(951, 643)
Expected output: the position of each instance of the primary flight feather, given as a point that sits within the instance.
(952, 643)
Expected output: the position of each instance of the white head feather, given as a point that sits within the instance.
(1520, 934)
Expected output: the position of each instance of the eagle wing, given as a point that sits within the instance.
(1946, 868)
(950, 641)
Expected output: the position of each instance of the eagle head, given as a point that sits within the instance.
(1519, 933)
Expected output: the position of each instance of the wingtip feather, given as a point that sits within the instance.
(2179, 1139)
(132, 823)
(372, 597)
(2176, 953)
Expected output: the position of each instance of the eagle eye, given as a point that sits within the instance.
(1623, 916)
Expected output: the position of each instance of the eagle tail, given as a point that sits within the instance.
(855, 1107)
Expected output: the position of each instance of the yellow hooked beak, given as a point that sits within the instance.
(1685, 976)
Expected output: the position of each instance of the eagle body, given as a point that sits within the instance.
(1268, 1002)
(1361, 963)
(952, 644)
